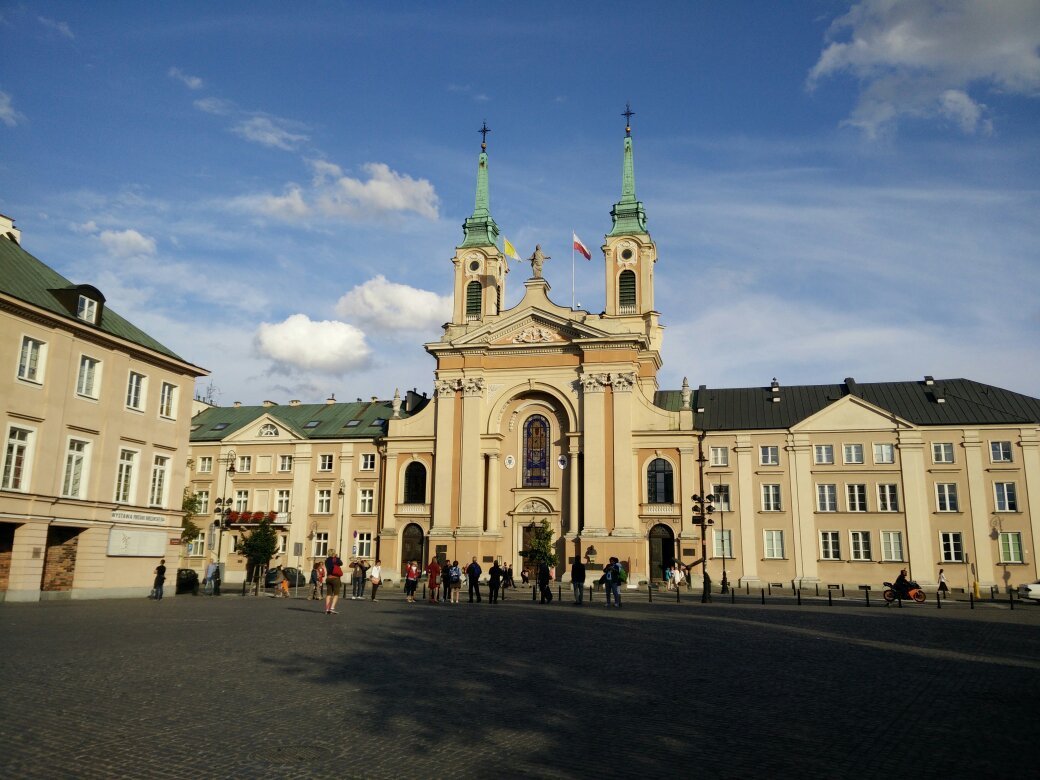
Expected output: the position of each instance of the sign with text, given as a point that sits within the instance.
(124, 516)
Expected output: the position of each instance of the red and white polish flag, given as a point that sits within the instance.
(581, 247)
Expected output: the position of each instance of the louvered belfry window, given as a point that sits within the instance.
(627, 292)
(473, 300)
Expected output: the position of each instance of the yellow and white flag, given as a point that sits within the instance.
(509, 249)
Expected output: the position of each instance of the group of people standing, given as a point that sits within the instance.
(445, 581)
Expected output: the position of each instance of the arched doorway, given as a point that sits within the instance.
(662, 551)
(411, 545)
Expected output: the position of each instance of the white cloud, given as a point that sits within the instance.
(267, 132)
(191, 82)
(216, 106)
(8, 115)
(385, 191)
(392, 306)
(288, 206)
(126, 243)
(923, 58)
(326, 346)
(62, 28)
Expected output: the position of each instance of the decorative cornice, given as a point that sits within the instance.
(623, 383)
(594, 383)
(473, 387)
(446, 388)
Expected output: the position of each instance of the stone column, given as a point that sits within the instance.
(472, 481)
(625, 513)
(389, 519)
(494, 518)
(573, 453)
(594, 450)
(976, 504)
(1031, 474)
(441, 521)
(803, 509)
(687, 487)
(917, 506)
(746, 507)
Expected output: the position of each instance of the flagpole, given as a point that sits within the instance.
(572, 271)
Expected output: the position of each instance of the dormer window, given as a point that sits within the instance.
(86, 309)
(267, 429)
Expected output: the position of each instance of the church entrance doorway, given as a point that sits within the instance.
(412, 546)
(662, 551)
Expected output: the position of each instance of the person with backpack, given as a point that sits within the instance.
(612, 579)
(473, 572)
(455, 578)
(334, 572)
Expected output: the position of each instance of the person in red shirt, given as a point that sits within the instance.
(433, 572)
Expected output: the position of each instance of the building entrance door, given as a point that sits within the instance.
(662, 551)
(412, 546)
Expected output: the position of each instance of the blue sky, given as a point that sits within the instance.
(275, 191)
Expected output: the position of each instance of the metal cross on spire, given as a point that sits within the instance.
(484, 130)
(628, 113)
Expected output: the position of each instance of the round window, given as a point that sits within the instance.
(626, 254)
(474, 266)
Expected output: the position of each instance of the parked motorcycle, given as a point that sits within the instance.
(913, 591)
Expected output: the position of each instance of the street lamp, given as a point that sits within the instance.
(703, 507)
(222, 507)
(724, 584)
(339, 537)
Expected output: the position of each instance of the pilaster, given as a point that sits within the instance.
(978, 507)
(472, 481)
(1030, 444)
(916, 505)
(746, 510)
(494, 518)
(624, 459)
(594, 452)
(444, 457)
(803, 504)
(388, 525)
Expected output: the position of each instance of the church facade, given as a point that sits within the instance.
(543, 412)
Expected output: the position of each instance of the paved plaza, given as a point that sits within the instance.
(261, 687)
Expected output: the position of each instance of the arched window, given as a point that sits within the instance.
(536, 452)
(473, 301)
(415, 483)
(627, 292)
(659, 482)
(267, 429)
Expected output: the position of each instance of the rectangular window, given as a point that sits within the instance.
(325, 463)
(856, 498)
(283, 544)
(770, 498)
(774, 544)
(952, 546)
(16, 459)
(720, 456)
(366, 501)
(283, 500)
(87, 381)
(823, 454)
(1000, 451)
(860, 545)
(245, 464)
(721, 493)
(884, 453)
(203, 499)
(364, 545)
(830, 546)
(368, 462)
(1005, 496)
(1010, 547)
(324, 506)
(167, 400)
(769, 456)
(157, 493)
(75, 461)
(320, 547)
(853, 454)
(206, 464)
(125, 476)
(30, 360)
(887, 498)
(241, 500)
(826, 498)
(285, 463)
(135, 391)
(942, 452)
(946, 497)
(723, 543)
(197, 546)
(892, 545)
(86, 309)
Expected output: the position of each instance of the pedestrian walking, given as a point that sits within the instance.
(679, 577)
(473, 573)
(494, 582)
(411, 581)
(669, 577)
(318, 580)
(446, 582)
(544, 578)
(706, 596)
(375, 576)
(508, 581)
(612, 581)
(433, 575)
(160, 579)
(358, 578)
(334, 572)
(455, 577)
(578, 580)
(524, 577)
(944, 588)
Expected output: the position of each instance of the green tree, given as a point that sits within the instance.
(541, 548)
(259, 546)
(190, 505)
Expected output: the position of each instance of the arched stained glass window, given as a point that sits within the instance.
(415, 483)
(627, 292)
(659, 482)
(473, 300)
(536, 451)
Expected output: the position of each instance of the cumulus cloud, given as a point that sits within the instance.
(392, 306)
(326, 346)
(62, 28)
(385, 191)
(288, 206)
(191, 82)
(126, 243)
(8, 115)
(925, 58)
(268, 132)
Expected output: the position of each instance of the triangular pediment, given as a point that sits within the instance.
(851, 414)
(265, 428)
(530, 328)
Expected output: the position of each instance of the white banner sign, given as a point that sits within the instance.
(139, 544)
(122, 516)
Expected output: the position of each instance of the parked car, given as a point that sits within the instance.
(188, 581)
(296, 577)
(1030, 591)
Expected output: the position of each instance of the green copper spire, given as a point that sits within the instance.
(628, 214)
(480, 228)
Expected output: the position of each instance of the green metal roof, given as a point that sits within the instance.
(31, 280)
(965, 402)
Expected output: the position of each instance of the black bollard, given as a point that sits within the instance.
(533, 598)
(747, 588)
(677, 594)
(424, 591)
(843, 590)
(971, 598)
(559, 593)
(650, 592)
(830, 598)
(817, 589)
(798, 593)
(867, 594)
(938, 600)
(732, 596)
(770, 587)
(1011, 598)
(763, 596)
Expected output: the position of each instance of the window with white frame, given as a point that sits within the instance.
(325, 463)
(721, 493)
(952, 544)
(830, 546)
(823, 454)
(770, 498)
(157, 493)
(241, 500)
(285, 463)
(364, 545)
(366, 501)
(769, 455)
(31, 360)
(1000, 451)
(283, 543)
(125, 473)
(135, 391)
(205, 464)
(320, 544)
(1004, 492)
(887, 498)
(774, 544)
(853, 454)
(168, 400)
(884, 453)
(368, 461)
(245, 464)
(720, 456)
(202, 496)
(86, 309)
(89, 375)
(16, 459)
(283, 501)
(860, 544)
(197, 546)
(946, 497)
(75, 466)
(324, 505)
(826, 498)
(723, 543)
(892, 545)
(942, 452)
(856, 498)
(1010, 547)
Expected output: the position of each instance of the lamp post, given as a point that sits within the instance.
(724, 584)
(703, 507)
(222, 508)
(339, 537)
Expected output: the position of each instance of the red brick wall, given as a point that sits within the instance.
(59, 565)
(6, 548)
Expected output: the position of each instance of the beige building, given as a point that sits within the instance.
(545, 412)
(94, 416)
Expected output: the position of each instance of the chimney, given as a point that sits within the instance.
(774, 389)
(375, 398)
(929, 380)
(294, 402)
(9, 231)
(331, 399)
(269, 404)
(237, 404)
(702, 393)
(851, 386)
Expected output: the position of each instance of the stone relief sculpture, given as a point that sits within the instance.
(622, 382)
(473, 387)
(446, 387)
(534, 335)
(594, 383)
